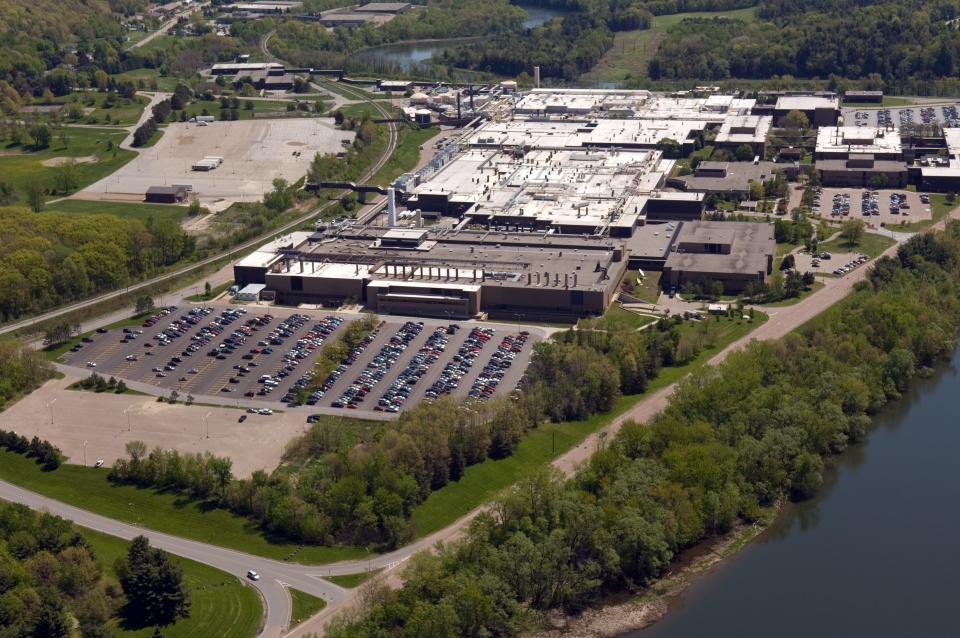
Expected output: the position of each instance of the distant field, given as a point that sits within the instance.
(124, 112)
(633, 50)
(24, 165)
(220, 604)
(406, 155)
(148, 75)
(143, 212)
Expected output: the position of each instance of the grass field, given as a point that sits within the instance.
(25, 165)
(304, 606)
(633, 50)
(221, 605)
(212, 107)
(141, 212)
(407, 154)
(870, 244)
(618, 314)
(89, 489)
(215, 292)
(483, 481)
(124, 112)
(352, 580)
(817, 285)
(149, 77)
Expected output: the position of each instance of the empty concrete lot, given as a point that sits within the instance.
(222, 379)
(255, 153)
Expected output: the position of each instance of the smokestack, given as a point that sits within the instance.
(391, 207)
(458, 105)
(536, 77)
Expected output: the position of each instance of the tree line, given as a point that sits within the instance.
(50, 259)
(45, 453)
(22, 369)
(735, 439)
(898, 42)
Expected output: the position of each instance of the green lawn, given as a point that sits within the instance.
(221, 605)
(213, 107)
(142, 212)
(215, 292)
(304, 606)
(89, 489)
(795, 300)
(352, 580)
(149, 77)
(870, 244)
(407, 154)
(483, 481)
(633, 50)
(649, 287)
(618, 314)
(888, 100)
(26, 165)
(124, 112)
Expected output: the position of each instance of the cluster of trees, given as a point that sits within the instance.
(98, 383)
(54, 258)
(46, 454)
(21, 370)
(51, 584)
(734, 439)
(329, 167)
(159, 114)
(898, 42)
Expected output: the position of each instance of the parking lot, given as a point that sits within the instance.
(837, 264)
(889, 207)
(946, 115)
(233, 352)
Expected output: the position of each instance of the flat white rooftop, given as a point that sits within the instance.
(744, 129)
(806, 103)
(843, 140)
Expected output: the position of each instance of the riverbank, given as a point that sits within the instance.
(652, 604)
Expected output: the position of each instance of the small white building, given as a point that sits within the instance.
(250, 292)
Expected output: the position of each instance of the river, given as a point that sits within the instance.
(871, 555)
(409, 55)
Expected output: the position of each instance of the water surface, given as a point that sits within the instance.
(874, 554)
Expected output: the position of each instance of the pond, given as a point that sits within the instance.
(409, 55)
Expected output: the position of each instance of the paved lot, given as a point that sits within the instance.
(128, 356)
(917, 210)
(804, 262)
(255, 151)
(946, 114)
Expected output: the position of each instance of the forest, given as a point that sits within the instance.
(52, 585)
(49, 259)
(22, 370)
(735, 440)
(897, 42)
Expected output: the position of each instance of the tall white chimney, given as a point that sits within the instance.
(536, 77)
(391, 208)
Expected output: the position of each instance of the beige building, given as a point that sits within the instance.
(733, 253)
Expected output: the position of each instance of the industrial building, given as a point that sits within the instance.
(750, 130)
(175, 194)
(535, 216)
(942, 173)
(733, 253)
(370, 13)
(820, 110)
(729, 179)
(860, 156)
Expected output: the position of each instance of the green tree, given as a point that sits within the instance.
(853, 230)
(41, 134)
(144, 305)
(796, 120)
(66, 176)
(744, 153)
(36, 194)
(153, 585)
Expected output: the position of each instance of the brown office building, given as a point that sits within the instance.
(734, 253)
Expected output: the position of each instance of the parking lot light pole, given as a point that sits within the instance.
(50, 405)
(127, 412)
(84, 453)
(206, 423)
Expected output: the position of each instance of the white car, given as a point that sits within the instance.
(266, 411)
(252, 575)
(99, 463)
(91, 364)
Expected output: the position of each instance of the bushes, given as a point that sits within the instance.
(97, 383)
(44, 452)
(21, 370)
